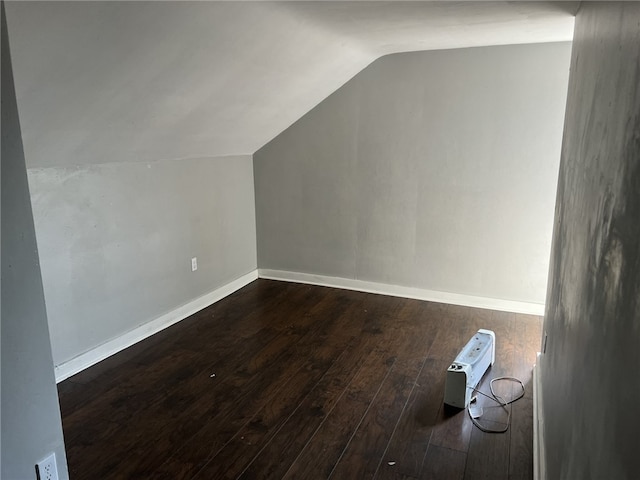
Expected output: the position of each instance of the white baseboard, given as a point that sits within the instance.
(99, 353)
(539, 457)
(406, 292)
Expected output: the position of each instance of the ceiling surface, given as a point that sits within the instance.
(109, 81)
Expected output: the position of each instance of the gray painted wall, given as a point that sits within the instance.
(116, 241)
(589, 371)
(434, 170)
(124, 133)
(31, 425)
(127, 178)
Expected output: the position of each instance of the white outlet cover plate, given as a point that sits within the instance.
(47, 468)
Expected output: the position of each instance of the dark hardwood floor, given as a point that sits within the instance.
(283, 380)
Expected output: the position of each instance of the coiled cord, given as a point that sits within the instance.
(498, 399)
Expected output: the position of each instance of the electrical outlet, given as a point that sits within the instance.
(194, 264)
(47, 469)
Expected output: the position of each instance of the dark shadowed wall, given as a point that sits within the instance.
(589, 371)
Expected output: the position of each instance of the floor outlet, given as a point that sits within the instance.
(47, 469)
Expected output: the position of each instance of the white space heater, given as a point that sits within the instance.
(467, 369)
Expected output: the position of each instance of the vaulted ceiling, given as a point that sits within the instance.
(141, 81)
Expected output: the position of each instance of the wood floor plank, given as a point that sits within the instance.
(219, 450)
(251, 438)
(216, 324)
(423, 414)
(411, 435)
(320, 454)
(310, 382)
(299, 428)
(194, 398)
(443, 464)
(235, 394)
(362, 457)
(527, 338)
(403, 350)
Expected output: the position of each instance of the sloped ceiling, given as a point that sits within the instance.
(141, 81)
